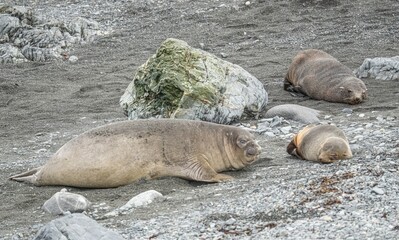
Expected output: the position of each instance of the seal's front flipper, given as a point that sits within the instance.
(198, 169)
(28, 176)
(221, 178)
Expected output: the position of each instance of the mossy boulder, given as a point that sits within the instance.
(179, 81)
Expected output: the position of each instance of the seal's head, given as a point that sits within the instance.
(354, 91)
(250, 150)
(333, 149)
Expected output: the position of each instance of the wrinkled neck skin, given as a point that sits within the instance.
(234, 157)
(225, 154)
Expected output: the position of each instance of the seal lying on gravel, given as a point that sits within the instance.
(324, 143)
(320, 76)
(120, 153)
(294, 112)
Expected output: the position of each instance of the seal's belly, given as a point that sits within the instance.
(109, 162)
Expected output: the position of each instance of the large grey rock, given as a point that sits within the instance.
(294, 112)
(39, 40)
(25, 15)
(10, 54)
(64, 201)
(8, 26)
(184, 82)
(379, 68)
(75, 226)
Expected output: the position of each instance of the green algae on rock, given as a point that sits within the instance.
(183, 82)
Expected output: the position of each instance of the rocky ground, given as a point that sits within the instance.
(43, 105)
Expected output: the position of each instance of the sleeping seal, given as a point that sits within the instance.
(322, 143)
(320, 76)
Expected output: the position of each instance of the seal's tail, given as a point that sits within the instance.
(28, 176)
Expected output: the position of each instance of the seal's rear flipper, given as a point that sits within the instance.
(295, 91)
(28, 176)
(288, 86)
(291, 148)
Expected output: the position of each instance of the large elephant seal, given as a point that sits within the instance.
(120, 153)
(320, 76)
(323, 143)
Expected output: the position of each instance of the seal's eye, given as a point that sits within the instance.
(241, 142)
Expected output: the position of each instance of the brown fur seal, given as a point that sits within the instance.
(324, 143)
(320, 76)
(120, 153)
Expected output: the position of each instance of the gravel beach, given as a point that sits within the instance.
(44, 105)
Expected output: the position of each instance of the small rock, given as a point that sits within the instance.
(361, 115)
(326, 218)
(223, 55)
(231, 221)
(276, 121)
(285, 130)
(347, 110)
(269, 134)
(142, 199)
(41, 150)
(73, 59)
(378, 190)
(64, 201)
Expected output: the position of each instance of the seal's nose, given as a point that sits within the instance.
(252, 151)
(357, 100)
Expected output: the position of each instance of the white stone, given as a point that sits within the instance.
(73, 59)
(64, 201)
(326, 218)
(378, 190)
(142, 199)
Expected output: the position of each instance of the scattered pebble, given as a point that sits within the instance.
(64, 201)
(73, 59)
(347, 110)
(377, 190)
